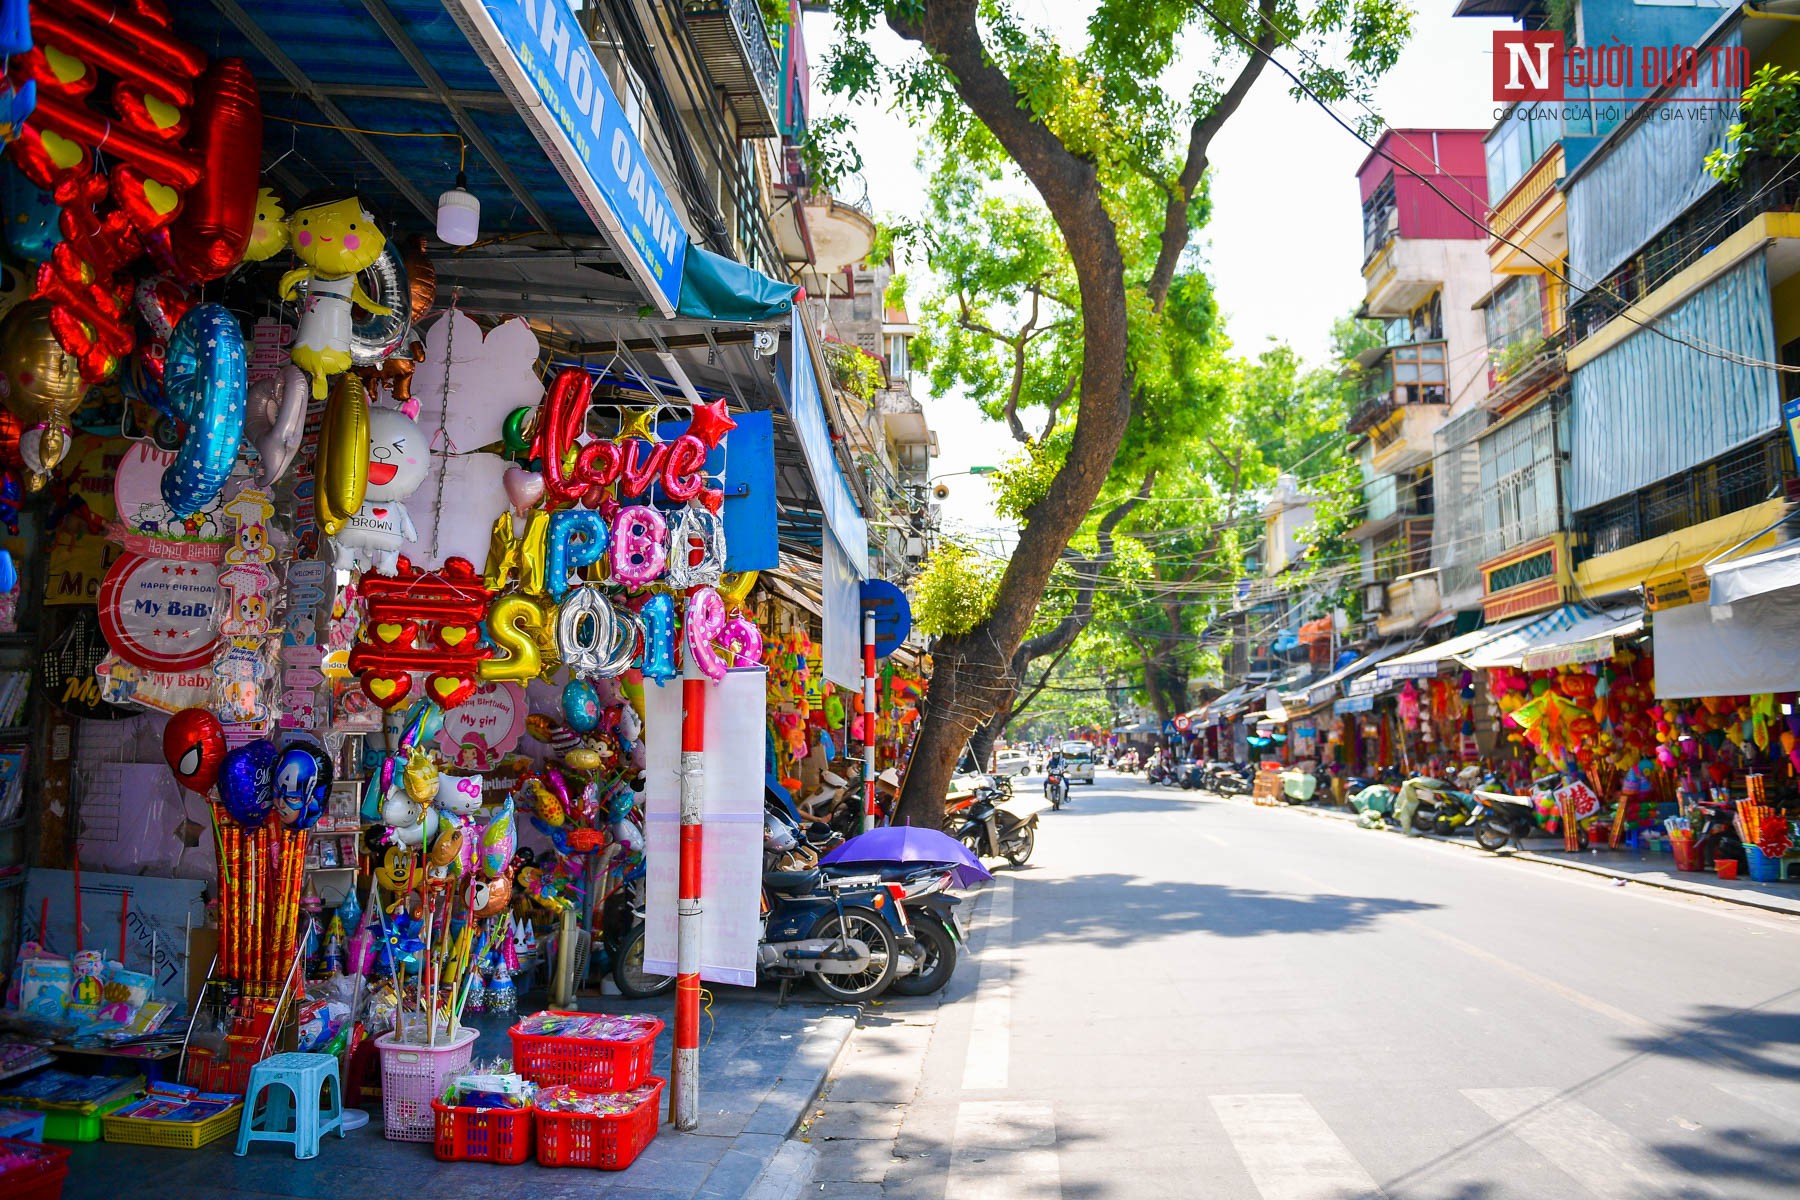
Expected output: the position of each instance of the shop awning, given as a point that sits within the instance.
(1759, 574)
(714, 288)
(1426, 661)
(1571, 634)
(1326, 690)
(1140, 727)
(1227, 704)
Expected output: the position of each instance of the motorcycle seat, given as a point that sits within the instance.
(793, 881)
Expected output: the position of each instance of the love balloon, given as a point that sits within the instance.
(583, 474)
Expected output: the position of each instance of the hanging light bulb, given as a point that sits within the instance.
(459, 214)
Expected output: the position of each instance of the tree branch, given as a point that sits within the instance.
(1055, 406)
(1175, 214)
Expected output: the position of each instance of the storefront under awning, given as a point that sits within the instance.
(1571, 634)
(1759, 574)
(1426, 661)
(1742, 642)
(1325, 690)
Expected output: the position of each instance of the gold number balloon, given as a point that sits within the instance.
(343, 461)
(41, 384)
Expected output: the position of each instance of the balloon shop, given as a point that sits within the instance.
(399, 563)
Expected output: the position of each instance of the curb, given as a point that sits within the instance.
(1782, 907)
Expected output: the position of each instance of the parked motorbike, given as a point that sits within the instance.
(844, 933)
(1502, 818)
(1428, 805)
(1159, 772)
(1227, 779)
(993, 827)
(931, 914)
(1716, 835)
(1189, 775)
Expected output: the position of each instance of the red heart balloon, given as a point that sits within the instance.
(150, 204)
(713, 499)
(387, 691)
(149, 115)
(449, 690)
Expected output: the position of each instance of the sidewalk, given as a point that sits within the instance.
(1632, 866)
(760, 1067)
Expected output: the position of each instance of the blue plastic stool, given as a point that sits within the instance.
(293, 1083)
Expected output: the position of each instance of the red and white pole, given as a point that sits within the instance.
(686, 1062)
(868, 632)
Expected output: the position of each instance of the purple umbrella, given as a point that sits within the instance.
(911, 844)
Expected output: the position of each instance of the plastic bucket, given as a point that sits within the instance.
(1763, 869)
(1726, 867)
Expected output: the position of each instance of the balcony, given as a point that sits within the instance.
(1400, 276)
(1531, 218)
(1405, 398)
(1522, 369)
(734, 42)
(1412, 600)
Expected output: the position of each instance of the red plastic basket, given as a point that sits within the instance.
(31, 1171)
(493, 1135)
(1687, 855)
(610, 1143)
(586, 1064)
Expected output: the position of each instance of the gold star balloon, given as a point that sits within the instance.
(635, 423)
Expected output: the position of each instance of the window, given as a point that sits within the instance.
(1419, 373)
(898, 356)
(862, 305)
(1381, 218)
(1518, 479)
(1516, 313)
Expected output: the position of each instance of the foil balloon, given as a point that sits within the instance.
(576, 539)
(212, 230)
(696, 548)
(206, 379)
(460, 794)
(41, 384)
(372, 537)
(586, 628)
(488, 897)
(334, 237)
(639, 545)
(382, 331)
(268, 228)
(398, 869)
(194, 745)
(580, 705)
(342, 469)
(276, 419)
(498, 841)
(743, 640)
(302, 785)
(421, 776)
(31, 231)
(420, 832)
(658, 615)
(446, 847)
(247, 782)
(682, 472)
(702, 624)
(512, 623)
(399, 810)
(523, 489)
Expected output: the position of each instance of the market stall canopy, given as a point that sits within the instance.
(1571, 634)
(1225, 705)
(1426, 661)
(1326, 690)
(1140, 727)
(1759, 574)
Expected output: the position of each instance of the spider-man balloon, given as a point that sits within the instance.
(194, 745)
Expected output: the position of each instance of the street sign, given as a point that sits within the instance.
(1182, 723)
(893, 614)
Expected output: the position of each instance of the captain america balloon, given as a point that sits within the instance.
(302, 785)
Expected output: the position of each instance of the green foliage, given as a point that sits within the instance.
(1023, 479)
(774, 14)
(853, 371)
(1515, 354)
(955, 592)
(1770, 126)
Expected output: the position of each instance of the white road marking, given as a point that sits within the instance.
(1780, 1100)
(1215, 839)
(1004, 1150)
(1289, 1150)
(1584, 1145)
(990, 1026)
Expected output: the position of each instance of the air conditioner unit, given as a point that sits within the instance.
(1375, 598)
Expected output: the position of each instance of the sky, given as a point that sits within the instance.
(1284, 245)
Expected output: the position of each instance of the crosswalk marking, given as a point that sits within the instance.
(1584, 1145)
(1289, 1151)
(990, 1027)
(1004, 1150)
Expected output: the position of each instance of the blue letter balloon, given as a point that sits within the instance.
(577, 539)
(659, 637)
(206, 381)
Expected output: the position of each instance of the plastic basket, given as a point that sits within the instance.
(1763, 869)
(586, 1064)
(1687, 858)
(412, 1077)
(610, 1143)
(1726, 868)
(31, 1171)
(178, 1135)
(493, 1135)
(228, 1070)
(22, 1124)
(68, 1126)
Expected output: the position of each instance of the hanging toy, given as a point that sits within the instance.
(334, 236)
(398, 461)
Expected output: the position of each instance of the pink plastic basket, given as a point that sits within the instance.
(412, 1077)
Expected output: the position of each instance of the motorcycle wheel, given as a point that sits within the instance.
(863, 925)
(628, 969)
(938, 963)
(1424, 822)
(1020, 853)
(1490, 836)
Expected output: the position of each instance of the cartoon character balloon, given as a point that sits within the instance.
(398, 460)
(302, 785)
(42, 385)
(194, 745)
(334, 236)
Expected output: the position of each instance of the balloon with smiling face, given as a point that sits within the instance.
(334, 237)
(399, 458)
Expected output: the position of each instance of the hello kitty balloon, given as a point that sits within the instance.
(399, 457)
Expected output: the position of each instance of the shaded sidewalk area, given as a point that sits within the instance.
(760, 1066)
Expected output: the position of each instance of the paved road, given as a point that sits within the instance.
(1186, 996)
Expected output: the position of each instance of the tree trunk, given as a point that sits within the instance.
(981, 742)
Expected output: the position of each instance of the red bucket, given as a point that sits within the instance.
(1687, 858)
(1727, 868)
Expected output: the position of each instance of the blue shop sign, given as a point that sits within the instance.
(539, 54)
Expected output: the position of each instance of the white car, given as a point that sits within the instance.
(1012, 762)
(1078, 762)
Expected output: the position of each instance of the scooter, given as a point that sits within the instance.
(1428, 805)
(1227, 779)
(931, 914)
(1056, 789)
(1159, 772)
(844, 933)
(996, 828)
(1502, 818)
(1718, 836)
